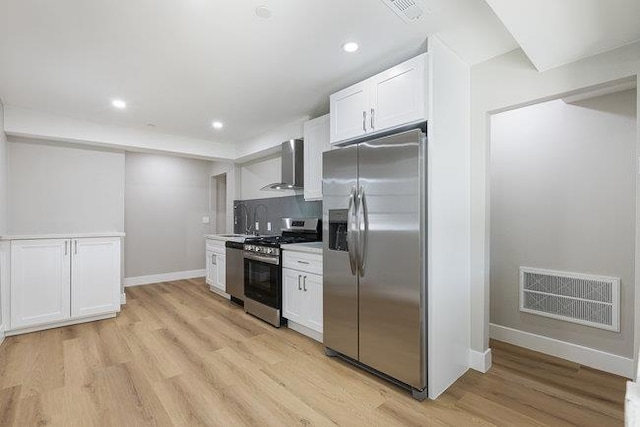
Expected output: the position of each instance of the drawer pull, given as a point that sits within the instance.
(303, 262)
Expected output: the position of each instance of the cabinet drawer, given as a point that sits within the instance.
(216, 246)
(310, 263)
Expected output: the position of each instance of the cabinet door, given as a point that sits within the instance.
(40, 282)
(399, 95)
(349, 111)
(210, 269)
(312, 285)
(292, 296)
(316, 141)
(95, 276)
(221, 271)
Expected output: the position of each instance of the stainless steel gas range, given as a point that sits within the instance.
(263, 267)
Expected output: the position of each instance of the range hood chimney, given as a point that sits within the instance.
(292, 167)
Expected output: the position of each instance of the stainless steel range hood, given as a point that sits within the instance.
(292, 167)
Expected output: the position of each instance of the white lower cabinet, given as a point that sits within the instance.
(59, 280)
(95, 276)
(302, 296)
(216, 265)
(40, 282)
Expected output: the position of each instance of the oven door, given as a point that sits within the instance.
(262, 280)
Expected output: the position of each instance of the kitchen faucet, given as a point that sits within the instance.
(247, 227)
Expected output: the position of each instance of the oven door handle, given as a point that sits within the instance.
(261, 258)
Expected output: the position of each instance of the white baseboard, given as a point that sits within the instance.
(305, 331)
(1, 334)
(480, 361)
(586, 356)
(165, 277)
(219, 292)
(123, 298)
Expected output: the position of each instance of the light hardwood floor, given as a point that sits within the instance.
(179, 355)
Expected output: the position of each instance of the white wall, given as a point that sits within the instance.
(232, 172)
(3, 174)
(563, 198)
(448, 231)
(165, 198)
(503, 83)
(256, 174)
(56, 188)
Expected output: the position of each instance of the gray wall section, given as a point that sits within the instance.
(563, 197)
(57, 188)
(166, 198)
(273, 210)
(3, 174)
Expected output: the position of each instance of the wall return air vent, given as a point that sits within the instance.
(573, 297)
(407, 10)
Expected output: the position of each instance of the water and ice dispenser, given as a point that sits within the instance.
(338, 230)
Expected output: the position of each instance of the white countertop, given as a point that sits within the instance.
(227, 237)
(61, 236)
(311, 247)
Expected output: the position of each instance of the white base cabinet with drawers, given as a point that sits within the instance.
(216, 266)
(302, 293)
(55, 282)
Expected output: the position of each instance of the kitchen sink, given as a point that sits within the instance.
(232, 235)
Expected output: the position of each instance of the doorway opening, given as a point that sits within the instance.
(218, 203)
(563, 217)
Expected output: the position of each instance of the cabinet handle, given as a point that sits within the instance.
(214, 259)
(373, 112)
(299, 288)
(75, 243)
(364, 121)
(304, 283)
(66, 247)
(303, 262)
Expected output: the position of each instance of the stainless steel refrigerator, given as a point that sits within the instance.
(374, 234)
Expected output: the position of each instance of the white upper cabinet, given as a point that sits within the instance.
(40, 275)
(316, 142)
(399, 95)
(95, 276)
(348, 111)
(394, 98)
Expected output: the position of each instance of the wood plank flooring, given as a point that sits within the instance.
(177, 355)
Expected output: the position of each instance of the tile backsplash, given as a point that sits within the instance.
(272, 210)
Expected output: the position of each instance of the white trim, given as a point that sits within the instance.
(123, 298)
(480, 361)
(305, 331)
(586, 356)
(59, 324)
(219, 292)
(2, 334)
(165, 277)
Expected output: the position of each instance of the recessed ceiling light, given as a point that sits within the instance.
(119, 104)
(217, 125)
(350, 47)
(263, 12)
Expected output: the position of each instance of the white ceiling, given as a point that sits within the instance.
(181, 64)
(556, 32)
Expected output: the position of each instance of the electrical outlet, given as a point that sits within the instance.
(205, 220)
(268, 226)
(257, 225)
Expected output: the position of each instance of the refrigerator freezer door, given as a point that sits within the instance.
(391, 317)
(340, 284)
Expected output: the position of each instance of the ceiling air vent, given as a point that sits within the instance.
(573, 297)
(407, 10)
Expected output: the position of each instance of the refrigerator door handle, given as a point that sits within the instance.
(363, 230)
(351, 231)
